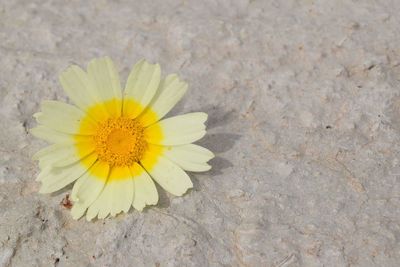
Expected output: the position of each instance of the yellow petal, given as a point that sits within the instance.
(190, 157)
(47, 151)
(78, 87)
(178, 130)
(51, 135)
(170, 177)
(64, 155)
(117, 195)
(58, 178)
(65, 118)
(171, 90)
(105, 79)
(145, 190)
(87, 189)
(141, 86)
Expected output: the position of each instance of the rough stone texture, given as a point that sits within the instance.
(304, 105)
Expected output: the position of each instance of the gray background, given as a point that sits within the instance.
(304, 117)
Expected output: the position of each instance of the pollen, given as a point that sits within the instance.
(120, 141)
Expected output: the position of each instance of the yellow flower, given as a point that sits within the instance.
(113, 142)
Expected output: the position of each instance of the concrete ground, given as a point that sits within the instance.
(304, 117)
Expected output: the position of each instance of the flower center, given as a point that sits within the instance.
(120, 141)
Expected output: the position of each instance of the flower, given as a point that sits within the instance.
(113, 143)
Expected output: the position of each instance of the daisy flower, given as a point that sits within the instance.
(114, 143)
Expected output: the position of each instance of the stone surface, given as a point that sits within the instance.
(304, 117)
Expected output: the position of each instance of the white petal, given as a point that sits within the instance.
(171, 90)
(116, 196)
(141, 86)
(178, 130)
(190, 157)
(88, 188)
(78, 87)
(51, 135)
(170, 176)
(145, 189)
(105, 79)
(58, 178)
(64, 118)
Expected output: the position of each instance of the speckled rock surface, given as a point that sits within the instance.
(304, 117)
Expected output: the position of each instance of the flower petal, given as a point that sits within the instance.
(78, 87)
(88, 188)
(62, 155)
(101, 207)
(47, 151)
(51, 135)
(145, 189)
(105, 79)
(170, 176)
(190, 157)
(171, 90)
(178, 130)
(141, 86)
(65, 118)
(117, 195)
(58, 178)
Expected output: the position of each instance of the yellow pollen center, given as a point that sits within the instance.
(120, 141)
